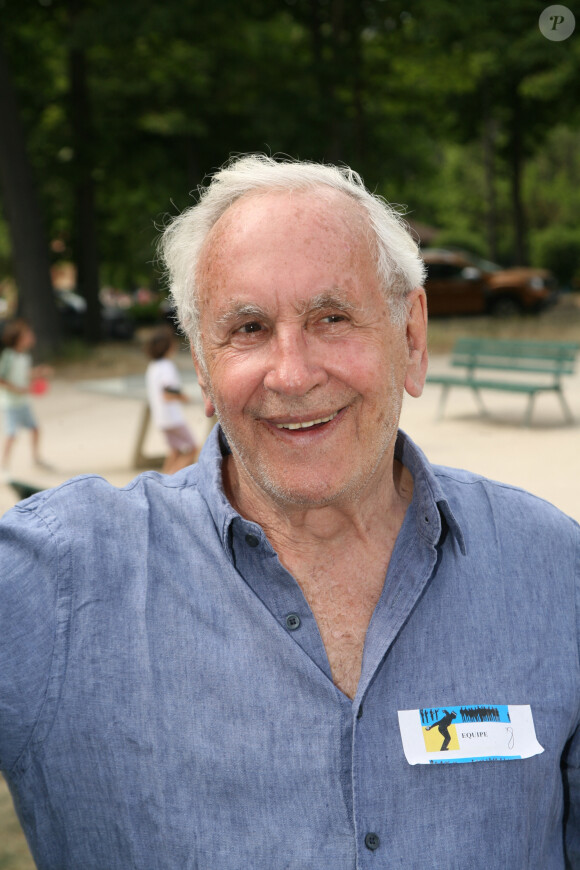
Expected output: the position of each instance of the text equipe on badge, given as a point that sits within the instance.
(446, 734)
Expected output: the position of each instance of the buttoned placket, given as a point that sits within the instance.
(411, 567)
(259, 565)
(261, 569)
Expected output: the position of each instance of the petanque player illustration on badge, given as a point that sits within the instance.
(443, 727)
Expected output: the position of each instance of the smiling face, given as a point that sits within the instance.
(301, 360)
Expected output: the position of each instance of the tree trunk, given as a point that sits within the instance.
(489, 144)
(23, 212)
(325, 76)
(358, 91)
(85, 227)
(516, 161)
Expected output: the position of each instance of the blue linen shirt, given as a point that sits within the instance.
(166, 700)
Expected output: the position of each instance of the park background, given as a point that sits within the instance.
(112, 114)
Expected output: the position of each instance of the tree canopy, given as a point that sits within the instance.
(465, 112)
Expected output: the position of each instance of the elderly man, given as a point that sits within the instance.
(240, 666)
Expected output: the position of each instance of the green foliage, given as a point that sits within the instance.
(558, 248)
(4, 247)
(552, 184)
(552, 180)
(462, 239)
(429, 103)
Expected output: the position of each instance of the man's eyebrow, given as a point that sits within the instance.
(324, 301)
(237, 310)
(321, 302)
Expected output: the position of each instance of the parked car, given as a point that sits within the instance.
(460, 283)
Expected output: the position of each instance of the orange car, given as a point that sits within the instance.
(459, 283)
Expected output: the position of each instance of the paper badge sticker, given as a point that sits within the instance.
(471, 732)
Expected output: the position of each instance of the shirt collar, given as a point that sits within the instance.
(433, 513)
(211, 486)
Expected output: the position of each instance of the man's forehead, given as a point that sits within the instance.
(326, 210)
(317, 227)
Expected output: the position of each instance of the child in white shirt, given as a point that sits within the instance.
(166, 400)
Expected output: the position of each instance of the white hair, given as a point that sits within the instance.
(399, 265)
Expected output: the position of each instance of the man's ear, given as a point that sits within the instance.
(201, 372)
(416, 342)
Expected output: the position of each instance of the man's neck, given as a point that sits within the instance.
(359, 518)
(338, 554)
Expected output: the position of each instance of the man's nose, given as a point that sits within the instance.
(293, 366)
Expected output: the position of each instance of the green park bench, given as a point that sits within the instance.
(478, 356)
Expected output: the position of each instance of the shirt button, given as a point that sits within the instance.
(372, 841)
(252, 540)
(292, 621)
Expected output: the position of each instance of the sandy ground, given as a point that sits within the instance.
(92, 426)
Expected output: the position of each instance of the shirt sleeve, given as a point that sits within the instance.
(28, 599)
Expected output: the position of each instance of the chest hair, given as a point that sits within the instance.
(342, 596)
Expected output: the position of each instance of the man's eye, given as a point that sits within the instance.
(249, 328)
(334, 318)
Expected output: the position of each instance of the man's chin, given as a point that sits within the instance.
(316, 492)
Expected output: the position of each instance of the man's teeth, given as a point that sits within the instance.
(306, 425)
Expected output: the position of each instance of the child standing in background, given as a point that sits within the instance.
(165, 401)
(16, 371)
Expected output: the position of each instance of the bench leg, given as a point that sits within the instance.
(442, 400)
(482, 409)
(568, 415)
(528, 415)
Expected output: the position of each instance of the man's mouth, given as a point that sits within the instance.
(307, 424)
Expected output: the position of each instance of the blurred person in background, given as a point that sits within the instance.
(166, 399)
(16, 376)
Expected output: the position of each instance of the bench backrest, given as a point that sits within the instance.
(548, 357)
